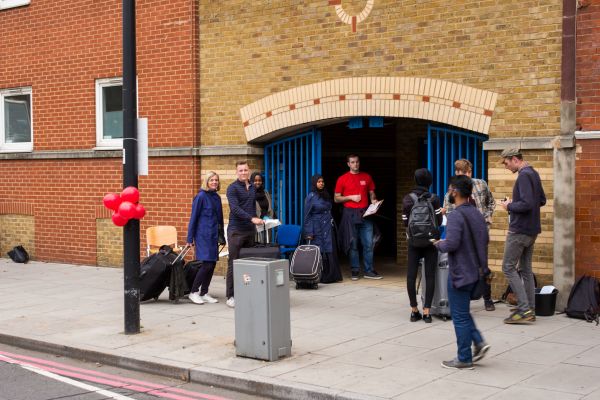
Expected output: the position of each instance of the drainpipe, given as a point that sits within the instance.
(564, 163)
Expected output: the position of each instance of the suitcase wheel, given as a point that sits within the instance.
(156, 298)
(315, 285)
(297, 286)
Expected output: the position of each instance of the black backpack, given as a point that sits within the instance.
(584, 299)
(422, 224)
(19, 255)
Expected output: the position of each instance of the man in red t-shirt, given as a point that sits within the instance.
(356, 190)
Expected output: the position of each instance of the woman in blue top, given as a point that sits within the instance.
(319, 228)
(205, 231)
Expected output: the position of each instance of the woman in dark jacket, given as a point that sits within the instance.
(205, 231)
(264, 207)
(429, 253)
(319, 228)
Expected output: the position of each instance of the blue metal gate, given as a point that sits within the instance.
(444, 146)
(289, 165)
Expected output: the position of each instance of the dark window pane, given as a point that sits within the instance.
(17, 118)
(112, 115)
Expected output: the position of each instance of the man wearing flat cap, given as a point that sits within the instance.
(524, 226)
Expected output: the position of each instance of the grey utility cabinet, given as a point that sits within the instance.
(262, 308)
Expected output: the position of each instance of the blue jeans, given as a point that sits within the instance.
(464, 326)
(364, 233)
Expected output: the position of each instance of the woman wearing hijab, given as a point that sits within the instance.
(263, 198)
(319, 228)
(205, 231)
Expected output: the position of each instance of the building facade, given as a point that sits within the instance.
(293, 86)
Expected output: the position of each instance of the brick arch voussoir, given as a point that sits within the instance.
(402, 97)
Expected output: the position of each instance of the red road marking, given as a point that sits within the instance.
(112, 380)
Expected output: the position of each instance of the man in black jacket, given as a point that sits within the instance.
(466, 244)
(523, 228)
(423, 180)
(241, 196)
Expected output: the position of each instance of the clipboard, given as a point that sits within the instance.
(373, 208)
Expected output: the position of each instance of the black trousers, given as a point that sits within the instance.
(203, 277)
(235, 241)
(430, 254)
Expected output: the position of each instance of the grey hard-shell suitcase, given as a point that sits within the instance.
(440, 306)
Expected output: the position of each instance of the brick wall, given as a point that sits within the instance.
(66, 195)
(60, 48)
(587, 208)
(587, 66)
(510, 47)
(501, 182)
(17, 230)
(587, 199)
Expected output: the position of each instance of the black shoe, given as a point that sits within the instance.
(354, 275)
(415, 316)
(479, 351)
(455, 364)
(372, 275)
(489, 305)
(427, 318)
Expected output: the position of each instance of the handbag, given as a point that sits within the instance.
(19, 255)
(480, 285)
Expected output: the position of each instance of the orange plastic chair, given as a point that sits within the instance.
(160, 235)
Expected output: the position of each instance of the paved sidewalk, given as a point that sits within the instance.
(351, 340)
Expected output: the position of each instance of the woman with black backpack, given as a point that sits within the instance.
(421, 224)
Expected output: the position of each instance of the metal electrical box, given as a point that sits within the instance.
(262, 308)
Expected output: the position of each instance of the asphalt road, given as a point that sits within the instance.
(29, 375)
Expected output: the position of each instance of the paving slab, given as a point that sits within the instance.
(351, 340)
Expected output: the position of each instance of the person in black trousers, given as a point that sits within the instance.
(423, 180)
(241, 230)
(205, 231)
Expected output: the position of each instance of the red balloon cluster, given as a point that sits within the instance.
(125, 205)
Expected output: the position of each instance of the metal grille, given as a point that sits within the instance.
(289, 165)
(444, 146)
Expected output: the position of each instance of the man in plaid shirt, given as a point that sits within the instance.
(482, 198)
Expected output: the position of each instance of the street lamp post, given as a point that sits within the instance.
(131, 231)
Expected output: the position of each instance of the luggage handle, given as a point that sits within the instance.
(182, 254)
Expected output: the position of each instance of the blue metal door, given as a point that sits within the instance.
(444, 146)
(289, 165)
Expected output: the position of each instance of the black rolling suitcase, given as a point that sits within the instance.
(155, 272)
(262, 250)
(306, 266)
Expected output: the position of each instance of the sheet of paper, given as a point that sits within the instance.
(548, 289)
(269, 224)
(373, 208)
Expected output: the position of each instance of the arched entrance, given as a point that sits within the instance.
(395, 124)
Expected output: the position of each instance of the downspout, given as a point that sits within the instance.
(564, 163)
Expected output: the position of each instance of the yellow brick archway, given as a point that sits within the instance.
(423, 98)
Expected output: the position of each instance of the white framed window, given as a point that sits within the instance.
(12, 3)
(109, 112)
(16, 120)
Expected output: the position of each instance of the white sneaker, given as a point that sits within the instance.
(209, 299)
(230, 302)
(196, 298)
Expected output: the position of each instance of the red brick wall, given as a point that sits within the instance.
(587, 197)
(60, 48)
(588, 66)
(587, 208)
